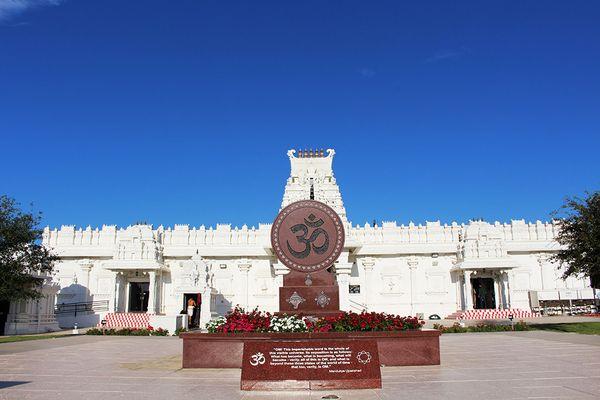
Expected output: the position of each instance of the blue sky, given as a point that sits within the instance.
(172, 112)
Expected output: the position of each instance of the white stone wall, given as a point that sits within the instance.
(403, 269)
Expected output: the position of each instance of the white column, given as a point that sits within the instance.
(369, 288)
(497, 298)
(206, 307)
(412, 265)
(343, 271)
(112, 303)
(86, 267)
(244, 268)
(541, 264)
(159, 293)
(506, 285)
(117, 292)
(468, 291)
(152, 293)
(280, 271)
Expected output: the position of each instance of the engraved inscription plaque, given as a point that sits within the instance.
(323, 364)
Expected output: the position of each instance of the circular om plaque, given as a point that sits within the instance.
(307, 236)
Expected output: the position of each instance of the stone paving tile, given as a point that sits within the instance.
(519, 365)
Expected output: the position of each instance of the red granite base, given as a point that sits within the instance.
(224, 350)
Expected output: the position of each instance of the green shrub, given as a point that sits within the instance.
(150, 331)
(482, 327)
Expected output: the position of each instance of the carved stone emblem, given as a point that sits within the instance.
(322, 300)
(363, 357)
(257, 359)
(295, 300)
(307, 236)
(308, 280)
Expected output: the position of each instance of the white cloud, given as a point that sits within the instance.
(447, 54)
(11, 8)
(367, 72)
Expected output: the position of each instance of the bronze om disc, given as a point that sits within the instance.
(307, 236)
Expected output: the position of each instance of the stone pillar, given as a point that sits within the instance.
(158, 298)
(86, 267)
(412, 265)
(368, 264)
(280, 271)
(244, 268)
(468, 291)
(152, 293)
(206, 307)
(112, 302)
(541, 264)
(343, 271)
(506, 289)
(497, 296)
(118, 285)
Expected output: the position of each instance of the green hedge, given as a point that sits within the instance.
(128, 332)
(482, 327)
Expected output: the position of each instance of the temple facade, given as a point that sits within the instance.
(162, 273)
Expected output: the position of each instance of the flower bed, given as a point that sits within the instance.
(238, 321)
(482, 327)
(149, 331)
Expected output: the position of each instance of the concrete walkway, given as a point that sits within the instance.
(511, 365)
(559, 319)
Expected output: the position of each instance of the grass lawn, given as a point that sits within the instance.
(22, 338)
(587, 328)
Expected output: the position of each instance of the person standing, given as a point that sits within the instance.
(191, 305)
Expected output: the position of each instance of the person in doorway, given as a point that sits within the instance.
(191, 304)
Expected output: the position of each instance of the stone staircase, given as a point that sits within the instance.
(126, 320)
(492, 314)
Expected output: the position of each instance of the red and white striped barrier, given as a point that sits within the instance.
(493, 314)
(126, 320)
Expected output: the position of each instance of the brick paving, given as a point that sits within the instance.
(511, 365)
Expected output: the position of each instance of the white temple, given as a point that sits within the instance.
(140, 274)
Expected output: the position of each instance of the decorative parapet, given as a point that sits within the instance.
(225, 235)
(435, 232)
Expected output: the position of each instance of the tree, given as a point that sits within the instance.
(579, 236)
(23, 259)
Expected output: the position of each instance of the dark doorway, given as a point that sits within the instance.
(138, 296)
(483, 293)
(4, 309)
(191, 305)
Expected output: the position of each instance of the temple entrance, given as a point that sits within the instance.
(138, 296)
(483, 293)
(191, 307)
(4, 309)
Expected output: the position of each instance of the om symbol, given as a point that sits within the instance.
(301, 238)
(256, 359)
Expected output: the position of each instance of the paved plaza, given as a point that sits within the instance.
(512, 365)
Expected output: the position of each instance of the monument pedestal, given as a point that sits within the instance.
(308, 237)
(315, 294)
(224, 350)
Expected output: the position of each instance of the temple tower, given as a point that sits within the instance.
(311, 177)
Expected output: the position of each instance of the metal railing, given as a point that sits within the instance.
(358, 306)
(81, 308)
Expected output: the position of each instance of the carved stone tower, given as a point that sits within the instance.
(312, 177)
